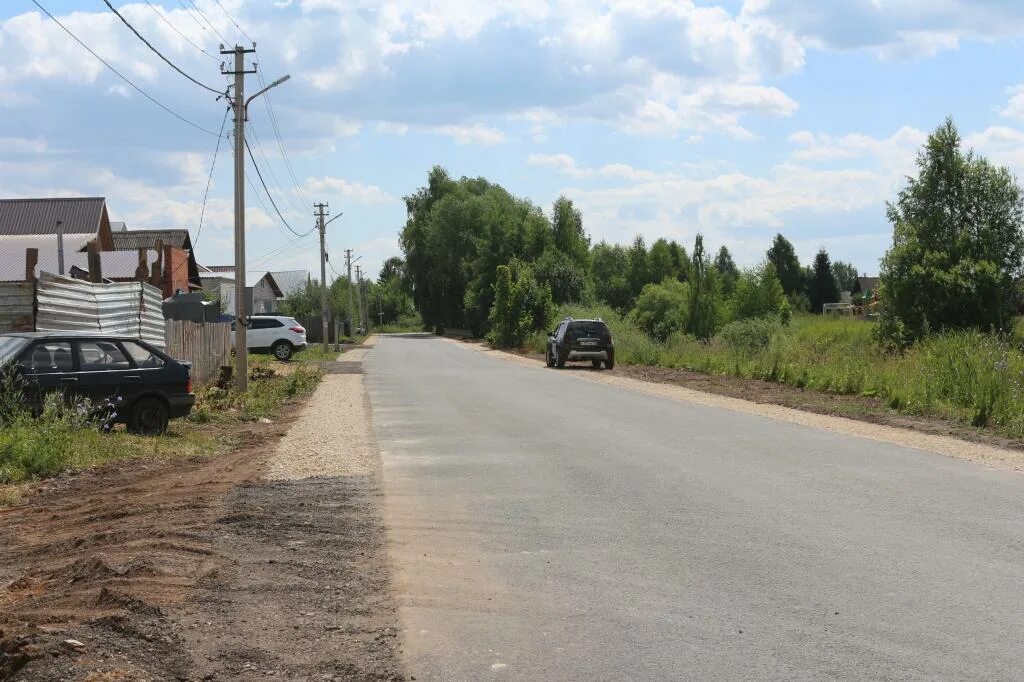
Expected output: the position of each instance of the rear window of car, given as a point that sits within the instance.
(597, 329)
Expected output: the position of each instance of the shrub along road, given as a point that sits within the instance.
(545, 527)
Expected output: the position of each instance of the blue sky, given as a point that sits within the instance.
(737, 119)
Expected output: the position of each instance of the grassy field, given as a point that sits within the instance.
(966, 376)
(61, 439)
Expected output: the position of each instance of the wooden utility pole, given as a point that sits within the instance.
(324, 314)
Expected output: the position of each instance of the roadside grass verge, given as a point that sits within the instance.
(965, 376)
(62, 439)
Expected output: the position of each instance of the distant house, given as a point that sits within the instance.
(179, 270)
(270, 289)
(865, 286)
(124, 255)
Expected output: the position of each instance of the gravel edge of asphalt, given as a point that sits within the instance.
(337, 412)
(943, 445)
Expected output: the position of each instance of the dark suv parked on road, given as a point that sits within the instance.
(584, 340)
(148, 386)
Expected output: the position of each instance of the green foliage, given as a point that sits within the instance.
(639, 272)
(845, 274)
(758, 293)
(749, 336)
(563, 276)
(822, 287)
(661, 308)
(521, 305)
(957, 245)
(611, 275)
(703, 313)
(782, 256)
(728, 273)
(568, 235)
(661, 263)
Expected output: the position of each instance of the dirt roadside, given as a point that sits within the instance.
(207, 569)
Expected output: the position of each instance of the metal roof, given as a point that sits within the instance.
(290, 281)
(126, 240)
(40, 216)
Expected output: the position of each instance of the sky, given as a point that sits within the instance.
(737, 119)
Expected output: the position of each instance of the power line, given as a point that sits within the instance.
(291, 245)
(179, 32)
(157, 52)
(206, 19)
(270, 168)
(280, 142)
(269, 196)
(232, 20)
(120, 75)
(209, 179)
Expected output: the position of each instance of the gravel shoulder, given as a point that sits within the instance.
(266, 563)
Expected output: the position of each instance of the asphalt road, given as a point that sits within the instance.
(543, 526)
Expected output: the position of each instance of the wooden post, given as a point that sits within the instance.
(156, 278)
(31, 259)
(95, 266)
(142, 269)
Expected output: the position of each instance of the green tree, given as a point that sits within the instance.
(660, 262)
(680, 261)
(520, 306)
(957, 244)
(822, 287)
(661, 308)
(565, 277)
(639, 272)
(702, 317)
(782, 256)
(728, 273)
(845, 274)
(567, 230)
(610, 271)
(759, 294)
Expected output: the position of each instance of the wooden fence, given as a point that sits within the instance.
(206, 345)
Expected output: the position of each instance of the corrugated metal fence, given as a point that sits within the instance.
(16, 299)
(206, 345)
(129, 308)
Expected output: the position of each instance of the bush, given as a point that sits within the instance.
(749, 336)
(661, 308)
(521, 306)
(758, 293)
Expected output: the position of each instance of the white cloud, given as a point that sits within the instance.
(353, 191)
(1015, 106)
(477, 134)
(901, 29)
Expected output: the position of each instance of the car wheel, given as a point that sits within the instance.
(609, 363)
(549, 358)
(282, 350)
(559, 360)
(596, 364)
(148, 417)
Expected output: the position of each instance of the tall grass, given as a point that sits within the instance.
(967, 376)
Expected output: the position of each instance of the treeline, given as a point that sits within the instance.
(479, 258)
(386, 300)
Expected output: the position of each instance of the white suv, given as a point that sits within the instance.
(281, 336)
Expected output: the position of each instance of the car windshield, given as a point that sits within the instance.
(10, 347)
(588, 329)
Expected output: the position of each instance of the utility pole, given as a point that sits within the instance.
(380, 305)
(240, 107)
(348, 264)
(359, 297)
(323, 269)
